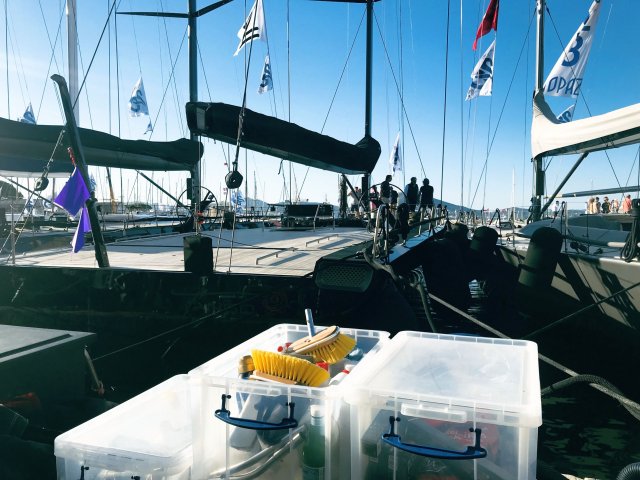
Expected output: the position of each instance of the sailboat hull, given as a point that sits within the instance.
(589, 279)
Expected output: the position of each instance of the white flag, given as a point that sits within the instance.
(266, 82)
(138, 101)
(567, 115)
(253, 27)
(28, 116)
(395, 159)
(482, 75)
(565, 79)
(237, 199)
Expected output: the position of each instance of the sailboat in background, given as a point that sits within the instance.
(598, 262)
(180, 285)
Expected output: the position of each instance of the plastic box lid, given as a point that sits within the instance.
(148, 432)
(452, 378)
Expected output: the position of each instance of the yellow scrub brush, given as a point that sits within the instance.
(287, 369)
(329, 345)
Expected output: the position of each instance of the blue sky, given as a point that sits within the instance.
(307, 71)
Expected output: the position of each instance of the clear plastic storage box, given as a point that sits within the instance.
(316, 447)
(445, 407)
(146, 437)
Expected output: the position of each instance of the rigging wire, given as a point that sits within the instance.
(472, 132)
(52, 58)
(95, 52)
(462, 152)
(401, 75)
(171, 77)
(15, 46)
(6, 48)
(493, 138)
(525, 113)
(384, 46)
(335, 92)
(176, 96)
(444, 112)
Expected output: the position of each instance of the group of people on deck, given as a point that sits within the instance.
(613, 206)
(414, 196)
(420, 198)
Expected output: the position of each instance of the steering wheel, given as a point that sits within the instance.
(207, 196)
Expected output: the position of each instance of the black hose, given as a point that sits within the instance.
(629, 472)
(601, 384)
(630, 249)
(547, 472)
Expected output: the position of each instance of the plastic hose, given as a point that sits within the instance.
(630, 249)
(603, 385)
(629, 472)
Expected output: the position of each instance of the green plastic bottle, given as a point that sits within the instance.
(313, 449)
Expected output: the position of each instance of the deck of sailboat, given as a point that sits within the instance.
(256, 251)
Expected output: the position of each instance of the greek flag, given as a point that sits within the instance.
(567, 115)
(266, 82)
(395, 160)
(28, 116)
(565, 79)
(149, 128)
(237, 200)
(482, 75)
(253, 27)
(138, 101)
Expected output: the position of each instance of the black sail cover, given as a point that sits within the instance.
(282, 139)
(26, 148)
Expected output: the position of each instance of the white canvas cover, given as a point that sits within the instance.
(551, 137)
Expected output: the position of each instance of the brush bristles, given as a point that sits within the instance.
(335, 351)
(291, 368)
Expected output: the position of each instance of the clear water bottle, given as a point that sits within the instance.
(313, 458)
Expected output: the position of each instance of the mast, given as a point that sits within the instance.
(193, 97)
(538, 174)
(366, 180)
(72, 53)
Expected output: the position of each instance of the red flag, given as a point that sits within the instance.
(489, 21)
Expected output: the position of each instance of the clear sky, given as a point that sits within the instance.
(309, 53)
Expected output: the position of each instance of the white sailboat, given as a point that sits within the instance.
(598, 263)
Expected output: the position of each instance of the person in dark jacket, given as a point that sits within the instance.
(385, 190)
(411, 194)
(426, 195)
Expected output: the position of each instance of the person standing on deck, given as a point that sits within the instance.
(411, 194)
(615, 205)
(606, 206)
(355, 201)
(385, 190)
(626, 204)
(555, 209)
(597, 205)
(426, 196)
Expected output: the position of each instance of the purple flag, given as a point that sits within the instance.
(74, 194)
(72, 198)
(84, 225)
